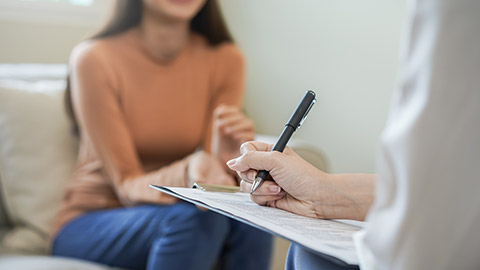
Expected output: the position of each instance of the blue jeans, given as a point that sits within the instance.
(178, 236)
(300, 258)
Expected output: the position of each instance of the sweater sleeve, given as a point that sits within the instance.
(97, 104)
(229, 83)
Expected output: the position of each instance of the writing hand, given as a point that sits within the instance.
(299, 187)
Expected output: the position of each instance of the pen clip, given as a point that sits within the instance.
(306, 113)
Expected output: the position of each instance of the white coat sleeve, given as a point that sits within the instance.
(426, 212)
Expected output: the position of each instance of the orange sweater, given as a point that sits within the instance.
(141, 119)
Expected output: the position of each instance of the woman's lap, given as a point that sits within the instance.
(149, 236)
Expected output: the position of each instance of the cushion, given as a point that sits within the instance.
(37, 155)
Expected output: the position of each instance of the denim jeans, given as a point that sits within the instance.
(300, 258)
(178, 236)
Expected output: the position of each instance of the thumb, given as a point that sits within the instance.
(256, 160)
(255, 146)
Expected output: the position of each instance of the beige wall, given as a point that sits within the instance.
(32, 32)
(345, 50)
(25, 42)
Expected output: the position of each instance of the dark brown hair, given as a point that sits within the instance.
(208, 22)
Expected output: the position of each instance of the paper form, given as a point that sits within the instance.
(330, 237)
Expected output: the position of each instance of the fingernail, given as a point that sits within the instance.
(251, 175)
(275, 189)
(231, 162)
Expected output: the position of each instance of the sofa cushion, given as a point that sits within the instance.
(37, 154)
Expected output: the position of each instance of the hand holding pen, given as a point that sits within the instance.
(293, 188)
(299, 187)
(296, 120)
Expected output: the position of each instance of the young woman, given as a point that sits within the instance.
(157, 97)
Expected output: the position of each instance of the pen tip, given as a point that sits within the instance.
(254, 186)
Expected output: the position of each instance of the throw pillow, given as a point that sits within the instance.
(37, 155)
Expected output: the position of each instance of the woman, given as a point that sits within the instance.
(162, 81)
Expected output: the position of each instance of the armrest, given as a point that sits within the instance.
(4, 221)
(305, 149)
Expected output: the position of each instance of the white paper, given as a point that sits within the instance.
(330, 237)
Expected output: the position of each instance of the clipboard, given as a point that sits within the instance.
(329, 251)
(216, 188)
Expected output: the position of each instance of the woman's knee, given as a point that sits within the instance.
(248, 236)
(187, 218)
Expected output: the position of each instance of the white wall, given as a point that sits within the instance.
(345, 50)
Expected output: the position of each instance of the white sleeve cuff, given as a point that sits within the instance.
(365, 256)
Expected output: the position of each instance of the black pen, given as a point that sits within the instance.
(296, 120)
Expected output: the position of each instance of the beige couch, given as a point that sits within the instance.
(37, 155)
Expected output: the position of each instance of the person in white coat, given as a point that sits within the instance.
(423, 207)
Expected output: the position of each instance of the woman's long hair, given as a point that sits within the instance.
(208, 22)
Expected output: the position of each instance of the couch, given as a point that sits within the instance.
(37, 155)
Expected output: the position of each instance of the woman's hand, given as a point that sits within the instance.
(205, 168)
(231, 128)
(299, 187)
